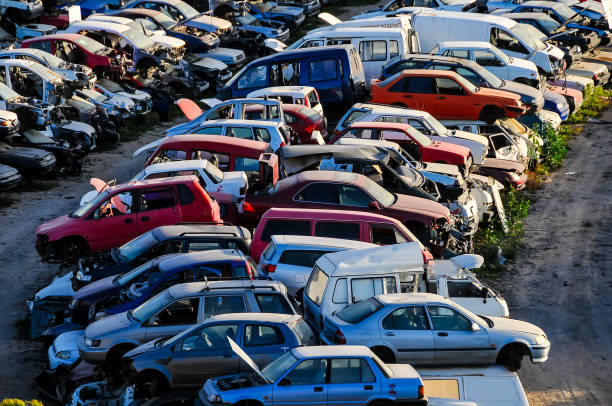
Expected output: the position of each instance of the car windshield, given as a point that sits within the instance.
(359, 311)
(81, 211)
(186, 10)
(490, 78)
(6, 93)
(151, 306)
(549, 25)
(437, 126)
(164, 20)
(380, 194)
(89, 44)
(128, 277)
(564, 11)
(137, 37)
(529, 35)
(215, 173)
(133, 249)
(419, 137)
(274, 370)
(247, 19)
(147, 24)
(263, 7)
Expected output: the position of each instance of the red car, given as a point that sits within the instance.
(304, 120)
(350, 191)
(76, 48)
(122, 212)
(413, 141)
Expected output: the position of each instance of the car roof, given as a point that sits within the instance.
(39, 69)
(493, 370)
(298, 52)
(244, 123)
(284, 90)
(191, 288)
(465, 44)
(328, 214)
(219, 142)
(441, 58)
(330, 176)
(341, 31)
(177, 165)
(403, 298)
(185, 260)
(487, 18)
(428, 72)
(368, 141)
(531, 15)
(165, 232)
(381, 125)
(103, 25)
(538, 3)
(332, 351)
(319, 242)
(110, 18)
(263, 317)
(339, 151)
(377, 260)
(63, 35)
(140, 11)
(163, 181)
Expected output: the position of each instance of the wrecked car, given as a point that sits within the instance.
(143, 102)
(69, 157)
(30, 162)
(9, 177)
(117, 107)
(292, 17)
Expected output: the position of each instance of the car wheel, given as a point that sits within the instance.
(385, 354)
(511, 356)
(71, 249)
(114, 360)
(150, 384)
(513, 363)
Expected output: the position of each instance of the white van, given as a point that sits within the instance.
(342, 278)
(435, 26)
(486, 386)
(376, 47)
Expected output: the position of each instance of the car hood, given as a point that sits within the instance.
(500, 94)
(6, 171)
(24, 153)
(208, 23)
(527, 93)
(420, 205)
(58, 222)
(211, 63)
(503, 164)
(446, 169)
(68, 341)
(96, 288)
(168, 42)
(78, 126)
(448, 148)
(108, 324)
(8, 115)
(523, 64)
(503, 324)
(294, 11)
(477, 148)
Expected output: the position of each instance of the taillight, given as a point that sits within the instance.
(421, 391)
(270, 268)
(595, 76)
(282, 144)
(248, 267)
(247, 207)
(306, 102)
(310, 128)
(339, 338)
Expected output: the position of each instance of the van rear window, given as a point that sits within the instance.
(306, 258)
(316, 285)
(285, 227)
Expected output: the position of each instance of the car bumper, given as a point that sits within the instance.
(603, 79)
(312, 10)
(539, 353)
(92, 355)
(10, 181)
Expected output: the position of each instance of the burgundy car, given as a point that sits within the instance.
(304, 120)
(428, 220)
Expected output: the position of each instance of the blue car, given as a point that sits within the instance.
(290, 16)
(248, 24)
(120, 293)
(556, 103)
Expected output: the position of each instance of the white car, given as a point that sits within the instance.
(65, 349)
(290, 258)
(396, 6)
(494, 60)
(213, 180)
(305, 95)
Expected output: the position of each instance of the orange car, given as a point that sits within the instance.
(446, 95)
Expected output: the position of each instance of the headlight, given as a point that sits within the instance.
(541, 340)
(214, 398)
(80, 276)
(63, 354)
(91, 343)
(560, 106)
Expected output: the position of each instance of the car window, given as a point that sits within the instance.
(256, 335)
(326, 193)
(273, 303)
(182, 311)
(386, 235)
(424, 85)
(486, 58)
(464, 288)
(445, 318)
(458, 53)
(469, 75)
(240, 132)
(504, 40)
(308, 372)
(404, 65)
(393, 49)
(325, 69)
(285, 227)
(449, 87)
(373, 50)
(210, 338)
(350, 370)
(204, 245)
(306, 258)
(359, 311)
(316, 285)
(340, 291)
(262, 134)
(290, 118)
(285, 74)
(222, 304)
(352, 116)
(157, 198)
(406, 318)
(444, 388)
(313, 99)
(338, 229)
(400, 85)
(353, 196)
(43, 45)
(217, 130)
(365, 288)
(166, 155)
(117, 205)
(256, 76)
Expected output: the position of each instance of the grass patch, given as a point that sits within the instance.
(136, 126)
(595, 101)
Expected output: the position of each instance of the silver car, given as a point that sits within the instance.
(427, 329)
(176, 309)
(289, 258)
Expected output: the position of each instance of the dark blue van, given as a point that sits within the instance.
(335, 71)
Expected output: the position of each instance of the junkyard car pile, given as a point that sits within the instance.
(261, 256)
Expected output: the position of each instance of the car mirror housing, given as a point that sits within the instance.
(475, 327)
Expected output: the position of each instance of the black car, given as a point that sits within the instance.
(470, 70)
(31, 162)
(160, 241)
(9, 177)
(69, 157)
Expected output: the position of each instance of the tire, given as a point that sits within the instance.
(70, 249)
(114, 360)
(385, 354)
(511, 356)
(150, 384)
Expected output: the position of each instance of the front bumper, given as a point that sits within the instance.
(539, 353)
(93, 355)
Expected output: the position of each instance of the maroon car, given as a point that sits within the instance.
(76, 48)
(428, 220)
(304, 120)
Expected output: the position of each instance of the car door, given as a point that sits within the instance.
(353, 197)
(418, 93)
(407, 330)
(204, 353)
(157, 206)
(452, 100)
(317, 195)
(351, 381)
(264, 343)
(325, 75)
(492, 63)
(373, 55)
(303, 384)
(112, 222)
(215, 304)
(455, 342)
(508, 43)
(177, 316)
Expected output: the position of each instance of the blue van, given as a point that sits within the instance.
(335, 71)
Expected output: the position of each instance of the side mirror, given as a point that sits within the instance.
(475, 327)
(285, 382)
(374, 206)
